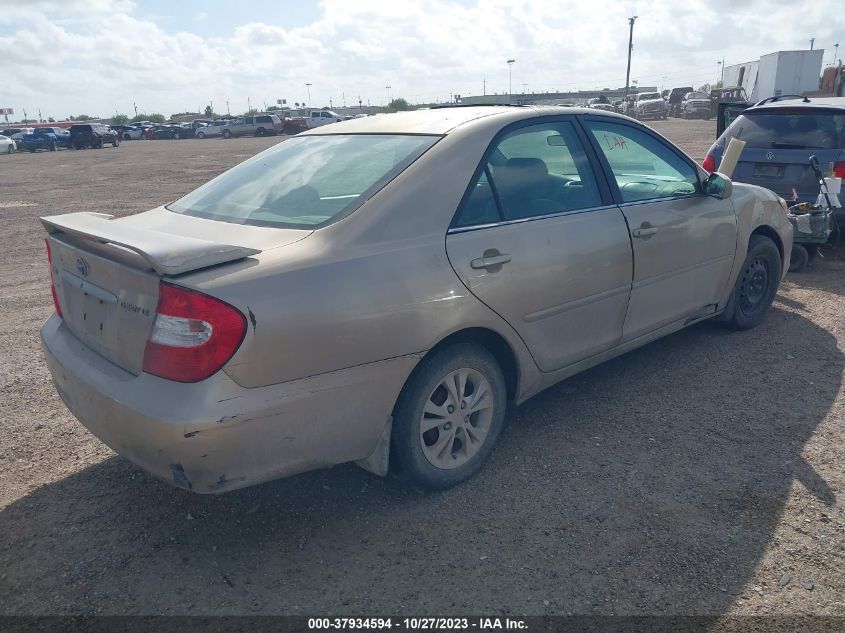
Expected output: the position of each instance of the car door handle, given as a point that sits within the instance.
(644, 231)
(490, 260)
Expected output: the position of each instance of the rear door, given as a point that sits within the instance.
(684, 241)
(537, 239)
(779, 143)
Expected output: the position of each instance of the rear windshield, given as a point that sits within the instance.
(305, 182)
(697, 95)
(788, 129)
(649, 96)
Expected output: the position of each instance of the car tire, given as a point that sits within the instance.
(116, 141)
(227, 134)
(53, 146)
(11, 149)
(200, 135)
(812, 251)
(757, 284)
(260, 132)
(448, 453)
(798, 258)
(127, 137)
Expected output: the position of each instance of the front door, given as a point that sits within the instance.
(684, 241)
(538, 241)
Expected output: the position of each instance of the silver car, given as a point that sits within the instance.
(377, 291)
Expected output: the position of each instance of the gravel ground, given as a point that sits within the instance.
(701, 474)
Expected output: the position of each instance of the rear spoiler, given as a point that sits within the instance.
(167, 253)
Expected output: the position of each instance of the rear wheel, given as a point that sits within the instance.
(200, 135)
(448, 417)
(798, 258)
(757, 284)
(11, 149)
(115, 141)
(53, 146)
(227, 134)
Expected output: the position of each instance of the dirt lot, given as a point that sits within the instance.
(702, 474)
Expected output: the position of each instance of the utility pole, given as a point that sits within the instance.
(835, 53)
(510, 79)
(135, 105)
(227, 108)
(812, 41)
(388, 94)
(308, 88)
(631, 21)
(40, 120)
(722, 76)
(484, 86)
(248, 106)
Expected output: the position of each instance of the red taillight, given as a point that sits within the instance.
(709, 163)
(52, 279)
(193, 335)
(839, 170)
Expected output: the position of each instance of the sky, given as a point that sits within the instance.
(101, 57)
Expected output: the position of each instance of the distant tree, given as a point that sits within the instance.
(398, 105)
(119, 119)
(143, 116)
(209, 112)
(51, 120)
(81, 117)
(272, 108)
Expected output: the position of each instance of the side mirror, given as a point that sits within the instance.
(719, 186)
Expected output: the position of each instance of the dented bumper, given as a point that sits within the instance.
(213, 436)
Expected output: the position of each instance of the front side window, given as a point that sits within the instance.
(644, 168)
(305, 182)
(534, 171)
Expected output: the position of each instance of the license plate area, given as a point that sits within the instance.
(91, 312)
(767, 170)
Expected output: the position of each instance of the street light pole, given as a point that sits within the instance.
(510, 80)
(835, 52)
(812, 41)
(308, 88)
(631, 21)
(388, 94)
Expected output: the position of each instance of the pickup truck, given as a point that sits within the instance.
(49, 138)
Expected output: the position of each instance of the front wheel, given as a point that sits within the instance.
(11, 149)
(757, 284)
(448, 417)
(227, 134)
(115, 142)
(200, 135)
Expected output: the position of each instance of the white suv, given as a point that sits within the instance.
(260, 125)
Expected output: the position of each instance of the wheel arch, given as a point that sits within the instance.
(767, 231)
(494, 343)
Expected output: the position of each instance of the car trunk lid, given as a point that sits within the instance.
(107, 271)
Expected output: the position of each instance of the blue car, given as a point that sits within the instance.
(49, 138)
(780, 136)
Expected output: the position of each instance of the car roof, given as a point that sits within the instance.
(814, 102)
(442, 120)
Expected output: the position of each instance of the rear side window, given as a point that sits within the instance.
(790, 128)
(533, 171)
(263, 119)
(305, 182)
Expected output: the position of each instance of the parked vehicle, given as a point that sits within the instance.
(17, 133)
(215, 128)
(378, 290)
(676, 96)
(696, 105)
(651, 105)
(600, 104)
(733, 94)
(7, 145)
(47, 138)
(259, 125)
(780, 135)
(94, 135)
(129, 132)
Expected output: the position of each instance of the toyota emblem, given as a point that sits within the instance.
(770, 155)
(82, 266)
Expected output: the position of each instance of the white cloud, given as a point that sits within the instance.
(99, 56)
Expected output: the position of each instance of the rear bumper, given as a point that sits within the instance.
(215, 435)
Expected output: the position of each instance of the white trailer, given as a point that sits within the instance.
(780, 73)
